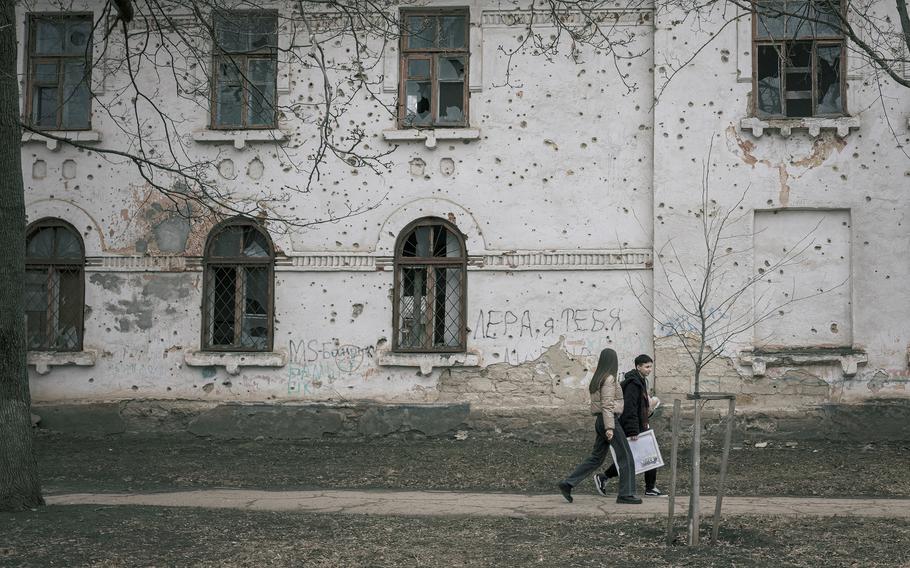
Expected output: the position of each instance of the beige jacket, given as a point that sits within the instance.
(607, 401)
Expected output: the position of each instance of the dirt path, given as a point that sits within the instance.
(446, 503)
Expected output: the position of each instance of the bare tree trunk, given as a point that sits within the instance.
(695, 494)
(905, 21)
(19, 484)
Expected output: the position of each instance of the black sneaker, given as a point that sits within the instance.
(600, 483)
(654, 492)
(629, 499)
(566, 490)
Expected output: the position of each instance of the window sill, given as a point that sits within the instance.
(815, 126)
(848, 359)
(427, 361)
(81, 136)
(44, 360)
(430, 136)
(233, 361)
(239, 138)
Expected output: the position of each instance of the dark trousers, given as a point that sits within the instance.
(650, 476)
(599, 454)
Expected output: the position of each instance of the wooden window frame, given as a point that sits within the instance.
(53, 264)
(32, 60)
(241, 61)
(782, 46)
(432, 54)
(238, 263)
(400, 262)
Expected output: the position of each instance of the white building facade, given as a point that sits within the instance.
(521, 223)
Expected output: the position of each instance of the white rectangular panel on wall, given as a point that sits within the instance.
(803, 256)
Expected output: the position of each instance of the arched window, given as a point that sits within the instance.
(430, 288)
(237, 297)
(54, 286)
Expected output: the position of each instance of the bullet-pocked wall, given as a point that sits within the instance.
(549, 184)
(573, 175)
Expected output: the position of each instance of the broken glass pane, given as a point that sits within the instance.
(800, 107)
(418, 69)
(262, 32)
(451, 102)
(418, 102)
(768, 81)
(229, 33)
(799, 55)
(254, 243)
(255, 330)
(451, 68)
(421, 32)
(412, 306)
(828, 79)
(770, 18)
(452, 32)
(799, 82)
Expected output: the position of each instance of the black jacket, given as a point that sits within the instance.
(635, 403)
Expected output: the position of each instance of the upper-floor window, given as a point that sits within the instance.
(434, 68)
(59, 69)
(245, 69)
(799, 66)
(237, 298)
(54, 286)
(430, 288)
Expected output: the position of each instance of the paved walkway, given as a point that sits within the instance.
(446, 503)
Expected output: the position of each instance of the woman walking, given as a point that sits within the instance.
(606, 400)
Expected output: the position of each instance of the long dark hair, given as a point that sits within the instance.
(607, 365)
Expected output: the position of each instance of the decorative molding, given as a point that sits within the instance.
(136, 263)
(44, 360)
(618, 259)
(615, 259)
(848, 359)
(613, 17)
(233, 361)
(785, 126)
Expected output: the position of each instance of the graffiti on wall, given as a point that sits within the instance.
(523, 335)
(314, 364)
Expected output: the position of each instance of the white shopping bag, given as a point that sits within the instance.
(645, 452)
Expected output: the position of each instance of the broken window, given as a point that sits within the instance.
(54, 286)
(799, 58)
(246, 69)
(59, 71)
(434, 64)
(239, 268)
(430, 281)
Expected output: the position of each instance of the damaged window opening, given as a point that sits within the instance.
(245, 70)
(799, 58)
(239, 275)
(434, 65)
(59, 71)
(54, 286)
(430, 288)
